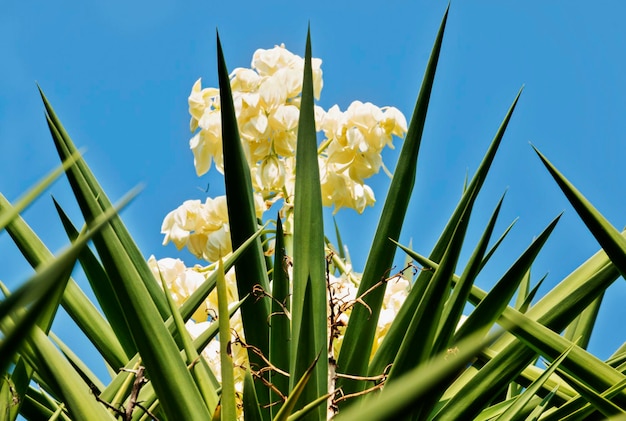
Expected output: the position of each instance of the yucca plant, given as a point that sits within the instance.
(452, 351)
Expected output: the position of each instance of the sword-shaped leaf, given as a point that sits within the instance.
(198, 370)
(399, 398)
(359, 335)
(250, 402)
(309, 329)
(251, 270)
(490, 308)
(103, 290)
(520, 402)
(227, 398)
(47, 286)
(609, 238)
(296, 392)
(280, 322)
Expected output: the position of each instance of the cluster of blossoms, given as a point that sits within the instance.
(181, 282)
(203, 227)
(267, 106)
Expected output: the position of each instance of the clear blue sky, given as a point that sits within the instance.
(119, 74)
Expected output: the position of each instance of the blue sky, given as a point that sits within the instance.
(119, 74)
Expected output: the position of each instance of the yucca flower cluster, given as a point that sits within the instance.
(267, 105)
(267, 101)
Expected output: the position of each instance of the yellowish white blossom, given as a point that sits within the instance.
(269, 175)
(397, 290)
(267, 99)
(267, 106)
(342, 191)
(203, 227)
(180, 280)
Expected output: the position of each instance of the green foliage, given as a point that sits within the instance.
(433, 363)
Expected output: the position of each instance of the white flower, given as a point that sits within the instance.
(284, 124)
(267, 62)
(206, 146)
(180, 280)
(202, 227)
(340, 190)
(394, 121)
(200, 101)
(333, 124)
(244, 80)
(396, 292)
(180, 222)
(270, 175)
(273, 93)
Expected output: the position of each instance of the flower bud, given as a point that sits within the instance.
(271, 174)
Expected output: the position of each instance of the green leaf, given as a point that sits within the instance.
(399, 398)
(117, 250)
(340, 248)
(599, 402)
(458, 300)
(103, 290)
(35, 406)
(490, 308)
(609, 238)
(147, 395)
(251, 407)
(308, 408)
(199, 371)
(523, 399)
(186, 310)
(251, 271)
(498, 408)
(43, 293)
(555, 310)
(38, 349)
(539, 409)
(525, 305)
(81, 367)
(580, 364)
(227, 399)
(579, 408)
(523, 290)
(73, 391)
(296, 392)
(495, 246)
(280, 331)
(359, 335)
(400, 323)
(309, 328)
(580, 329)
(418, 341)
